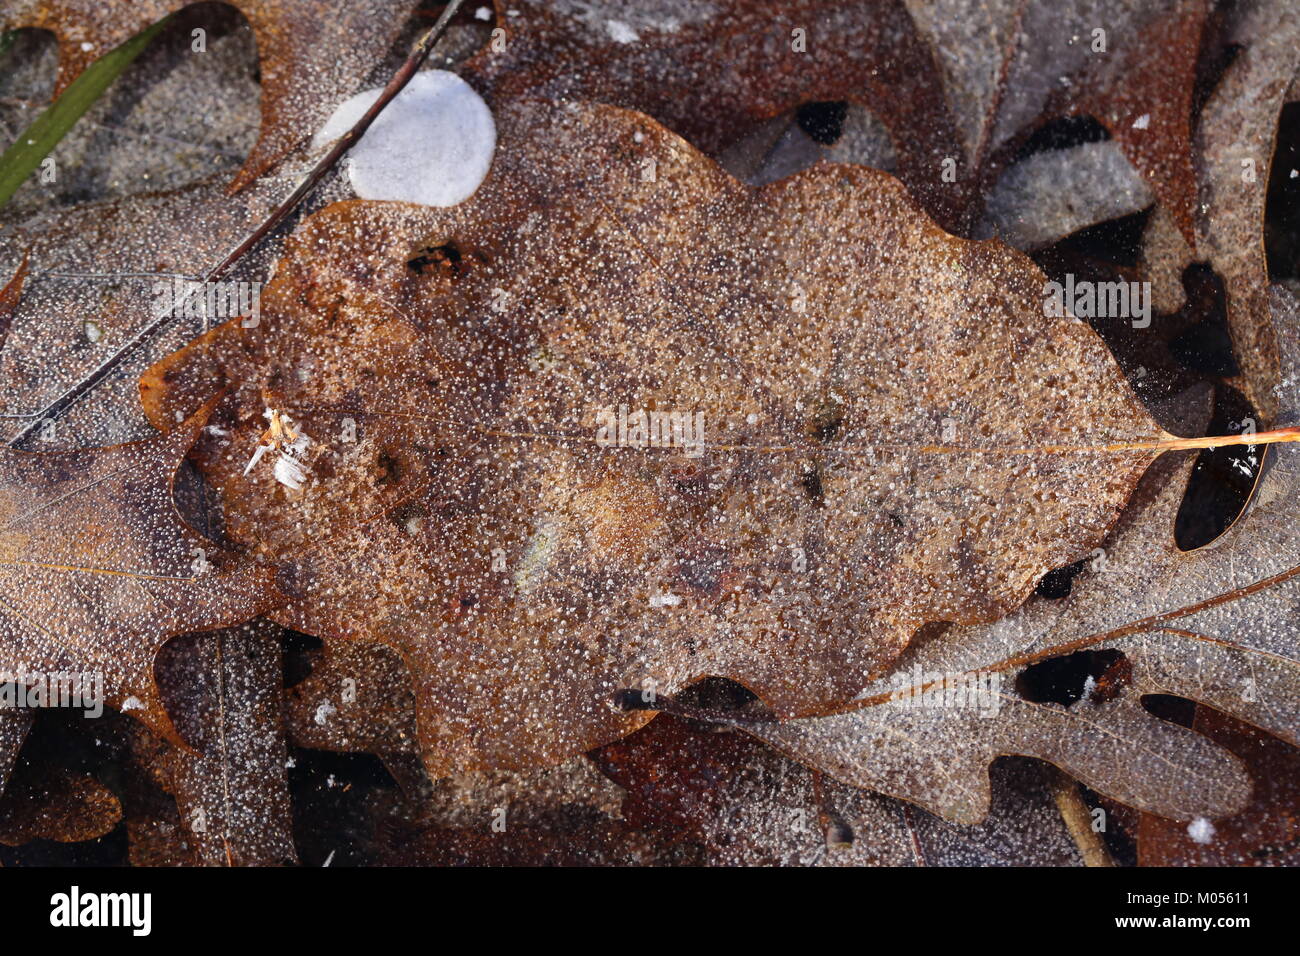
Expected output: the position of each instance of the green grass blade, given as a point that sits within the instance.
(34, 143)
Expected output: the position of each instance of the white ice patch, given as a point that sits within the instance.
(432, 144)
(1201, 830)
(620, 32)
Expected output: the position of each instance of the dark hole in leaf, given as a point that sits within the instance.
(824, 121)
(1177, 710)
(1222, 479)
(1206, 346)
(717, 693)
(630, 698)
(839, 835)
(1282, 207)
(388, 468)
(1062, 133)
(1057, 584)
(1061, 680)
(443, 260)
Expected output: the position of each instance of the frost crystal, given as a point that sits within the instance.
(1201, 830)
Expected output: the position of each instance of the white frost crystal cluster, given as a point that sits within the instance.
(1201, 830)
(432, 144)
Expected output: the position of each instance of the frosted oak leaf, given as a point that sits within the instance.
(894, 433)
(97, 570)
(1218, 625)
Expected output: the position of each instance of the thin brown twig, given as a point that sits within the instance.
(1077, 818)
(404, 74)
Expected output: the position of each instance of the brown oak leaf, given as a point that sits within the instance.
(894, 433)
(1217, 625)
(97, 570)
(1266, 833)
(224, 691)
(958, 84)
(746, 805)
(1235, 146)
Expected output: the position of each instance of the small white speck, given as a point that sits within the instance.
(132, 703)
(483, 13)
(87, 47)
(1142, 122)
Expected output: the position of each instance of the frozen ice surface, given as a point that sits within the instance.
(432, 144)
